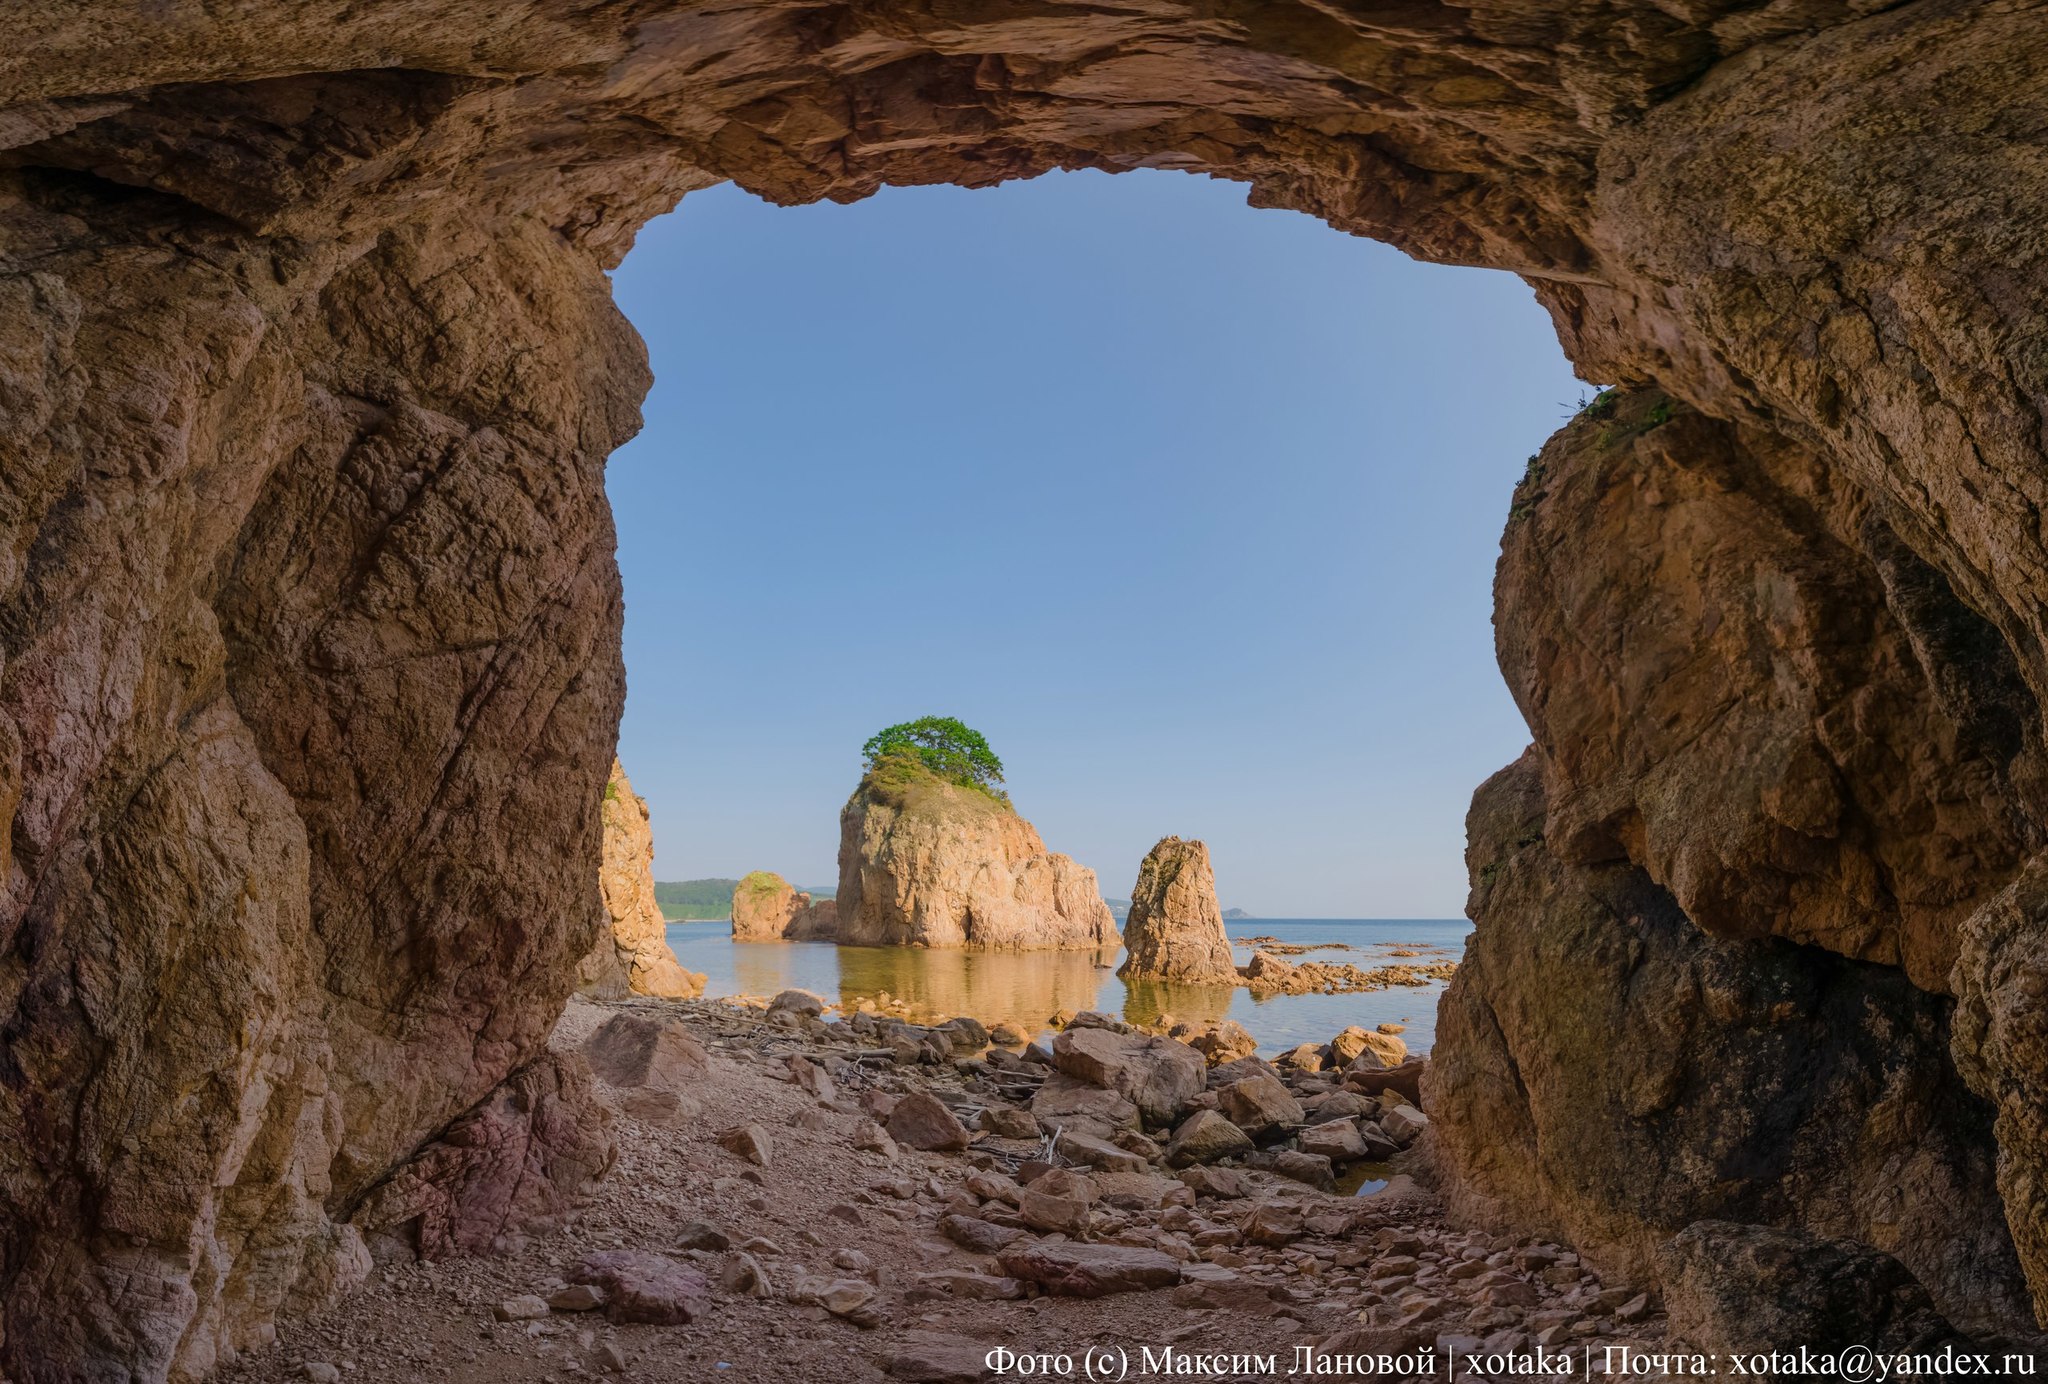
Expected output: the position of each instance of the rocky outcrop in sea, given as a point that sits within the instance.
(928, 863)
(1175, 928)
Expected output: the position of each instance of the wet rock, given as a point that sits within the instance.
(1072, 1269)
(643, 1287)
(922, 1121)
(1205, 1137)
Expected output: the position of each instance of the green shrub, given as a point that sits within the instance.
(955, 752)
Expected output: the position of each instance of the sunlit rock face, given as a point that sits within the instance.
(1175, 929)
(631, 955)
(928, 863)
(309, 621)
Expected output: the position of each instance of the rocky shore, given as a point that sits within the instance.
(797, 1198)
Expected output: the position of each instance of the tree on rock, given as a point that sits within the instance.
(954, 751)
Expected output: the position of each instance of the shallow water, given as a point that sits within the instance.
(1025, 988)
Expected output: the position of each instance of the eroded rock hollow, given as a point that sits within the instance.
(309, 622)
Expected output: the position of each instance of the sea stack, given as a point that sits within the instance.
(632, 955)
(762, 906)
(1175, 929)
(924, 862)
(767, 908)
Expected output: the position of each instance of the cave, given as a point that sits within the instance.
(309, 620)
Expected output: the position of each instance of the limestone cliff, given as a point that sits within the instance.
(309, 619)
(1175, 928)
(927, 863)
(632, 954)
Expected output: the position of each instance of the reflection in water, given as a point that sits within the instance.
(1021, 988)
(1027, 988)
(1149, 1001)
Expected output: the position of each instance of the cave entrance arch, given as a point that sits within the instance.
(308, 610)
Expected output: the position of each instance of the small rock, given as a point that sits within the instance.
(707, 1235)
(922, 1121)
(1205, 1137)
(747, 1141)
(797, 1002)
(973, 1233)
(1008, 1123)
(577, 1297)
(525, 1307)
(320, 1372)
(1072, 1269)
(643, 1287)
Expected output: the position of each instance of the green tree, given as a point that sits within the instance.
(955, 752)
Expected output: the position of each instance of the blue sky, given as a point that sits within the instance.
(1191, 508)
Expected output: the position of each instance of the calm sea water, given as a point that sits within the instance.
(1025, 988)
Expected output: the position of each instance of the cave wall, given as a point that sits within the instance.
(309, 622)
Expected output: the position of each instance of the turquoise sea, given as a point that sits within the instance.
(1025, 988)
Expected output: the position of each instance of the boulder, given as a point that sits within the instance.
(631, 954)
(922, 1121)
(1072, 1269)
(1092, 1152)
(1266, 971)
(1354, 1042)
(1174, 931)
(636, 1050)
(1259, 1104)
(1337, 1140)
(815, 920)
(1224, 1184)
(925, 862)
(1403, 1124)
(1205, 1137)
(1007, 1123)
(975, 1234)
(1226, 1040)
(801, 1003)
(1310, 1168)
(1066, 1102)
(1157, 1075)
(1748, 1288)
(1406, 1079)
(639, 1286)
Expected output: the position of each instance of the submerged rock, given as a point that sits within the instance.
(1175, 928)
(924, 862)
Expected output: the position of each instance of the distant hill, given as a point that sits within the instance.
(707, 900)
(1235, 913)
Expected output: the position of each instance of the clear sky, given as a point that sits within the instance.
(1192, 509)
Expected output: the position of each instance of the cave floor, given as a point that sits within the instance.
(1370, 1273)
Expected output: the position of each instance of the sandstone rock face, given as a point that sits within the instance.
(1744, 1288)
(632, 956)
(1607, 1074)
(309, 620)
(763, 904)
(1175, 928)
(926, 863)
